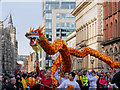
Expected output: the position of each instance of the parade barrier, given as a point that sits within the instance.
(38, 38)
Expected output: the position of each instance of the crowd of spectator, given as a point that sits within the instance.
(80, 80)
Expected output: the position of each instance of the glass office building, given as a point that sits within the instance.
(61, 21)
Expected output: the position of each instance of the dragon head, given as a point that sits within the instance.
(34, 35)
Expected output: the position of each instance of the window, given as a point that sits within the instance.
(93, 30)
(57, 30)
(65, 5)
(48, 6)
(57, 16)
(57, 35)
(106, 31)
(111, 30)
(62, 25)
(55, 5)
(48, 16)
(50, 63)
(67, 25)
(73, 25)
(72, 5)
(57, 25)
(64, 16)
(48, 25)
(46, 63)
(63, 35)
(115, 5)
(40, 54)
(47, 30)
(116, 27)
(40, 63)
(68, 5)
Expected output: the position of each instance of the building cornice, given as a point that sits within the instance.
(71, 35)
(90, 39)
(113, 40)
(80, 7)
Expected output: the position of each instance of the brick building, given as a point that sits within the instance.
(111, 29)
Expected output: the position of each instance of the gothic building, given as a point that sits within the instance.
(8, 46)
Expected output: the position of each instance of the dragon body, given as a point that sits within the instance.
(37, 37)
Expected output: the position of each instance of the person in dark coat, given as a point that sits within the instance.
(116, 79)
(19, 84)
(5, 83)
(11, 85)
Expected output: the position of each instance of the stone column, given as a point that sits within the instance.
(1, 26)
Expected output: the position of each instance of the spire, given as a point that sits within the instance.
(10, 20)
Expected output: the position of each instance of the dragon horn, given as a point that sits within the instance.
(30, 29)
(41, 28)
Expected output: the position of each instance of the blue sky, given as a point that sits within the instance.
(25, 15)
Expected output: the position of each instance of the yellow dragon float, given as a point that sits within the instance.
(37, 37)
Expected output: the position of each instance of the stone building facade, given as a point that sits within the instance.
(89, 29)
(9, 46)
(111, 29)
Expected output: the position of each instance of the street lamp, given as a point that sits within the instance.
(92, 61)
(119, 59)
(103, 64)
(79, 60)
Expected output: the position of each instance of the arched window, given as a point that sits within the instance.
(106, 52)
(116, 27)
(106, 31)
(115, 5)
(111, 30)
(111, 52)
(115, 50)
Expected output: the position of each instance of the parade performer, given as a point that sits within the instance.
(37, 37)
(70, 84)
(46, 81)
(24, 76)
(57, 77)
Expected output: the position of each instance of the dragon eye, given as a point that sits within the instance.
(32, 32)
(35, 32)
